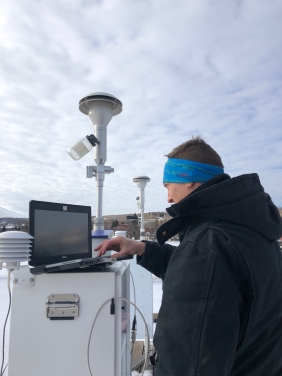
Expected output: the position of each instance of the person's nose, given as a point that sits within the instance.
(169, 199)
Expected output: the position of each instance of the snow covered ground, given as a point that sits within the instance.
(157, 295)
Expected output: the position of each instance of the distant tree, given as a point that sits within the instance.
(134, 231)
(114, 223)
(156, 224)
(3, 229)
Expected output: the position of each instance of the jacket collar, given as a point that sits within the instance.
(172, 227)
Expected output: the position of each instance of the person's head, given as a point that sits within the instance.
(190, 165)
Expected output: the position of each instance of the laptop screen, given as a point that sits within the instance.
(61, 232)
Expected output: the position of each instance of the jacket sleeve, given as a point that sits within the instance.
(198, 323)
(156, 258)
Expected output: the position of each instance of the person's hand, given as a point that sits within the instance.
(124, 246)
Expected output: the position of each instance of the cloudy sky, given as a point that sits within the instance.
(207, 67)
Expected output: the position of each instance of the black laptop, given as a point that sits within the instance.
(62, 238)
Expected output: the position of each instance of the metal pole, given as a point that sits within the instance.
(142, 225)
(99, 220)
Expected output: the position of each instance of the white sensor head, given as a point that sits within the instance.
(86, 102)
(14, 249)
(141, 181)
(100, 107)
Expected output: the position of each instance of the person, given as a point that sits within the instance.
(221, 311)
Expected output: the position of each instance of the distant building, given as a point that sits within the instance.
(123, 227)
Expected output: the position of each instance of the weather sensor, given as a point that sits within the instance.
(14, 249)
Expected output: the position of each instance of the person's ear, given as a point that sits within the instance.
(189, 185)
(193, 185)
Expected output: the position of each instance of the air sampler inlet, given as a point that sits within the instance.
(141, 182)
(100, 107)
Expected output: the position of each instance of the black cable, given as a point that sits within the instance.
(4, 329)
(3, 349)
(146, 332)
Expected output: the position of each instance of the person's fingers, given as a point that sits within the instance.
(118, 254)
(109, 245)
(98, 247)
(122, 245)
(100, 253)
(102, 248)
(106, 243)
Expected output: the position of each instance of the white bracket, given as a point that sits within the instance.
(23, 277)
(91, 171)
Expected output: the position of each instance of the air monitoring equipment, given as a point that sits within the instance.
(100, 107)
(64, 324)
(141, 182)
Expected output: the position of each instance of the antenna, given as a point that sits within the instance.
(141, 182)
(100, 107)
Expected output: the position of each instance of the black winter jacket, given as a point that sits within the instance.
(221, 311)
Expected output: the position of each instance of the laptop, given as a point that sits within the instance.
(62, 238)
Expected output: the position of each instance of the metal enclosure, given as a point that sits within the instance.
(42, 345)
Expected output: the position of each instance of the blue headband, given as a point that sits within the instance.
(184, 171)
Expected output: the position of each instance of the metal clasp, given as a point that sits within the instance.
(62, 306)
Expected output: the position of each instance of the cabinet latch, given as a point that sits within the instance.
(62, 306)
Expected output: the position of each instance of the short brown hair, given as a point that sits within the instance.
(196, 150)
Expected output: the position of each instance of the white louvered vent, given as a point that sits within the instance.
(14, 249)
